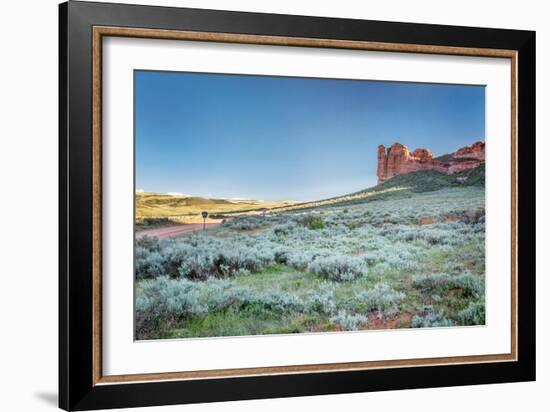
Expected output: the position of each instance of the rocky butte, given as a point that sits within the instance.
(397, 160)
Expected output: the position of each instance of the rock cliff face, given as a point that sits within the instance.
(475, 151)
(397, 160)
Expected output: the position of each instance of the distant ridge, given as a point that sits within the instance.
(157, 205)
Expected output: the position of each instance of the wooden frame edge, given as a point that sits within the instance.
(97, 175)
(514, 203)
(98, 32)
(297, 41)
(298, 369)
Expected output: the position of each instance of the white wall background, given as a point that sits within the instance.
(28, 203)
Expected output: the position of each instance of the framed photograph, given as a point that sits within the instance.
(257, 205)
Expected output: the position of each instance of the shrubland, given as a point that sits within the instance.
(416, 261)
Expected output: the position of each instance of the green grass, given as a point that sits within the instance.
(279, 277)
(430, 180)
(476, 177)
(420, 181)
(251, 323)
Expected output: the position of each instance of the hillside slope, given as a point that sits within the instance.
(165, 205)
(430, 180)
(401, 186)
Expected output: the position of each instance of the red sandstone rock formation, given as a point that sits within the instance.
(475, 151)
(397, 160)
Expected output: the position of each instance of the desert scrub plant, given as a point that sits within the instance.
(280, 255)
(313, 222)
(349, 321)
(277, 301)
(196, 264)
(380, 297)
(471, 285)
(164, 261)
(322, 300)
(473, 216)
(164, 301)
(242, 260)
(284, 229)
(338, 268)
(437, 283)
(299, 260)
(150, 243)
(442, 283)
(246, 222)
(380, 268)
(221, 295)
(168, 300)
(221, 258)
(150, 258)
(402, 264)
(149, 264)
(431, 320)
(473, 314)
(451, 233)
(353, 225)
(148, 222)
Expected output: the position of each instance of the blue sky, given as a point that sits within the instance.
(280, 138)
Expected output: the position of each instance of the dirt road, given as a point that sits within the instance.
(169, 231)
